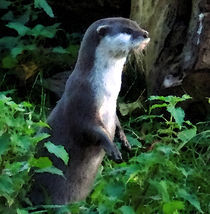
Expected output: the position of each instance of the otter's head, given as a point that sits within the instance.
(118, 36)
(113, 37)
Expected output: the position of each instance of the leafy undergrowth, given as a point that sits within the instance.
(167, 171)
(19, 125)
(33, 46)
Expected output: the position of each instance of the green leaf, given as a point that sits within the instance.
(60, 50)
(21, 211)
(26, 104)
(19, 27)
(177, 113)
(58, 150)
(148, 159)
(134, 141)
(19, 49)
(73, 50)
(4, 4)
(190, 198)
(43, 124)
(5, 185)
(40, 136)
(173, 100)
(42, 162)
(16, 167)
(8, 42)
(127, 210)
(42, 4)
(186, 135)
(172, 206)
(6, 188)
(4, 143)
(162, 189)
(41, 30)
(52, 170)
(115, 190)
(8, 16)
(154, 106)
(9, 62)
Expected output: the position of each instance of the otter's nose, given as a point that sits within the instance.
(145, 34)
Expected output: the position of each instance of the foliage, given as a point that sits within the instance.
(18, 140)
(31, 41)
(167, 171)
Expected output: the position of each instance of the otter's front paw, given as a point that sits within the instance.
(113, 152)
(116, 155)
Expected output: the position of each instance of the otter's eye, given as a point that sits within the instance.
(128, 31)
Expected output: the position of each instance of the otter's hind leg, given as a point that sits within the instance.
(121, 135)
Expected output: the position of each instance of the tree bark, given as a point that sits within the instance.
(177, 60)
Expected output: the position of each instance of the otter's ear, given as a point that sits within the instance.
(102, 30)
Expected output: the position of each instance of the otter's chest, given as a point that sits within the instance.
(107, 83)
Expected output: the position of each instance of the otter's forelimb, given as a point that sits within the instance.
(101, 136)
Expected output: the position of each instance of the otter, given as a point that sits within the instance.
(84, 120)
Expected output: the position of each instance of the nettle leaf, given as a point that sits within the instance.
(7, 189)
(4, 143)
(173, 206)
(40, 136)
(4, 4)
(134, 141)
(19, 27)
(42, 4)
(52, 170)
(154, 106)
(127, 210)
(128, 108)
(5, 185)
(42, 124)
(19, 49)
(58, 150)
(190, 198)
(60, 50)
(24, 18)
(73, 49)
(41, 30)
(16, 167)
(8, 16)
(115, 190)
(8, 42)
(42, 162)
(9, 62)
(148, 159)
(147, 117)
(177, 113)
(170, 99)
(26, 104)
(187, 135)
(20, 211)
(162, 188)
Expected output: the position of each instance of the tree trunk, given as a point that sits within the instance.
(177, 60)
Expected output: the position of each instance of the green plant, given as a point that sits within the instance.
(29, 47)
(167, 172)
(18, 140)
